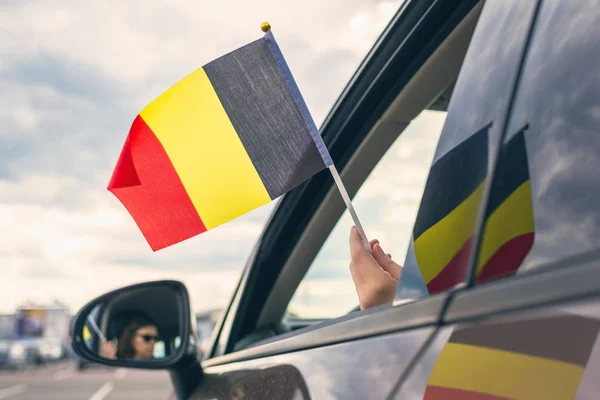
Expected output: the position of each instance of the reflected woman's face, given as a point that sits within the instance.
(144, 340)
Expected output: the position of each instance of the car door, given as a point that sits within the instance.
(529, 327)
(258, 352)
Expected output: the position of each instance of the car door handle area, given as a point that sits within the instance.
(368, 323)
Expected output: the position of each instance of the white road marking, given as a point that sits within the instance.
(120, 373)
(11, 391)
(103, 391)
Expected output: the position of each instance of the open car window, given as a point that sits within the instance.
(383, 137)
(387, 205)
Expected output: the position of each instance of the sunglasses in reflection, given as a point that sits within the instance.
(149, 338)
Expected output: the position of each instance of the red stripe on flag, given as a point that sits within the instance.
(508, 258)
(146, 183)
(124, 174)
(454, 272)
(443, 393)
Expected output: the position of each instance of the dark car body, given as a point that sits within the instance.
(517, 315)
(530, 332)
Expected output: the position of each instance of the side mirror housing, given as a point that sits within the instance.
(146, 325)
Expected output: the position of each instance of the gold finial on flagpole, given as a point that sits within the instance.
(265, 27)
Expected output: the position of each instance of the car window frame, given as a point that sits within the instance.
(388, 318)
(377, 82)
(563, 282)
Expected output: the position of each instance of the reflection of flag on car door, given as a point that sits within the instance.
(538, 358)
(446, 221)
(443, 232)
(226, 139)
(509, 225)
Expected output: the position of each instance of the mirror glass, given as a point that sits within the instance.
(138, 324)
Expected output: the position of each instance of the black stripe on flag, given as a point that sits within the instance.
(263, 112)
(452, 179)
(511, 172)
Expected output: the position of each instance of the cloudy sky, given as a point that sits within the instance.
(73, 75)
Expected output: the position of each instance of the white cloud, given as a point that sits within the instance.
(75, 254)
(149, 45)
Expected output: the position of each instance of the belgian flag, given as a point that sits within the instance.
(447, 218)
(539, 358)
(228, 138)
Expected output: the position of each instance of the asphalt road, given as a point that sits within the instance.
(62, 381)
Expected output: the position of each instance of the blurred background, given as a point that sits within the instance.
(73, 75)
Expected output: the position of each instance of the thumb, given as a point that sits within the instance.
(363, 266)
(386, 262)
(357, 248)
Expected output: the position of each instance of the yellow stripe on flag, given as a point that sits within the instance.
(514, 217)
(439, 244)
(213, 165)
(505, 374)
(86, 333)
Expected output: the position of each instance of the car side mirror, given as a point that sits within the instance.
(145, 325)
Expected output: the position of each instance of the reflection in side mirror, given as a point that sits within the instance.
(145, 325)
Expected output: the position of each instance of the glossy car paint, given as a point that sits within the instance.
(362, 369)
(550, 353)
(415, 32)
(559, 96)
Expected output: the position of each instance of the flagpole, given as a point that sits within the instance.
(95, 327)
(266, 28)
(348, 201)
